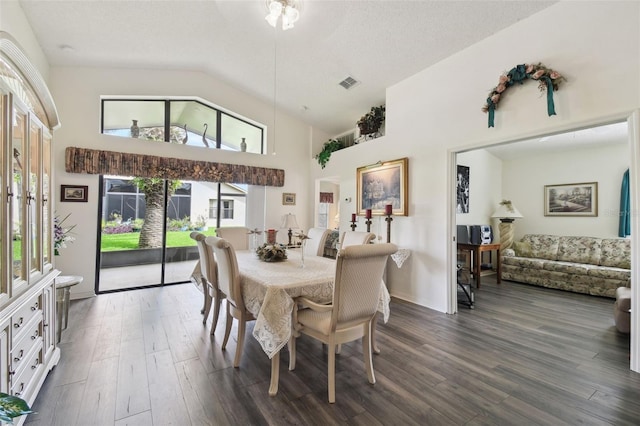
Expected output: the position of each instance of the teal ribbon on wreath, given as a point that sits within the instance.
(491, 111)
(550, 106)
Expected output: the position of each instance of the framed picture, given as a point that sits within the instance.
(288, 198)
(76, 193)
(462, 186)
(381, 184)
(571, 199)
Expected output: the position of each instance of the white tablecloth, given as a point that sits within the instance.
(270, 287)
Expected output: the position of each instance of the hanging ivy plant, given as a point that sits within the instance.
(330, 146)
(547, 78)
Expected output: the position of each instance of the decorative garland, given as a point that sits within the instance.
(547, 78)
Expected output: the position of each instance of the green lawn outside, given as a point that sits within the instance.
(129, 240)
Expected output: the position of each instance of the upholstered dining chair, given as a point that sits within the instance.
(209, 280)
(356, 291)
(314, 246)
(229, 284)
(237, 236)
(356, 237)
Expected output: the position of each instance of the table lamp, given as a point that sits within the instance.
(290, 222)
(507, 213)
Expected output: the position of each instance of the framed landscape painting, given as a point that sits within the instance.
(381, 184)
(76, 193)
(288, 199)
(571, 199)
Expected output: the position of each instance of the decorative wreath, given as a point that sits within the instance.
(547, 78)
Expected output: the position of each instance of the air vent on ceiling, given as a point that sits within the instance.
(349, 82)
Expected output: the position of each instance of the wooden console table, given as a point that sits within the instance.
(476, 254)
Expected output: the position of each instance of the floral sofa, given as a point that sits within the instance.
(596, 266)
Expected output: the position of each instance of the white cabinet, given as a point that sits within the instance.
(27, 291)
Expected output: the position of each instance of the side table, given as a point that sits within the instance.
(63, 286)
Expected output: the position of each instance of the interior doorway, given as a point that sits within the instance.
(509, 171)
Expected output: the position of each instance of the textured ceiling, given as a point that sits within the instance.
(376, 42)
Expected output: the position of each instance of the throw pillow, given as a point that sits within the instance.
(522, 248)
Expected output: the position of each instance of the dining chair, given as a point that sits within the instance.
(229, 284)
(356, 237)
(314, 246)
(237, 236)
(356, 290)
(209, 277)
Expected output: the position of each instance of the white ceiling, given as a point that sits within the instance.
(594, 137)
(376, 42)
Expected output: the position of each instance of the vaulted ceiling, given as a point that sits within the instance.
(378, 43)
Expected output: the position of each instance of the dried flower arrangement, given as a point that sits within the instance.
(272, 252)
(548, 80)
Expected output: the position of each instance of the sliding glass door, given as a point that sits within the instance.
(145, 227)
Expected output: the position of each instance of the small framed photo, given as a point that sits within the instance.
(288, 199)
(571, 199)
(75, 193)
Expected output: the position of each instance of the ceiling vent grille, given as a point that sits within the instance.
(349, 82)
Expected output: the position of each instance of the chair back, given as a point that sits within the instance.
(356, 238)
(314, 246)
(358, 281)
(228, 273)
(237, 236)
(207, 262)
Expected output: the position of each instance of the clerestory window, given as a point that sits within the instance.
(187, 122)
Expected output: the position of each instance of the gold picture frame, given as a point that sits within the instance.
(381, 184)
(288, 199)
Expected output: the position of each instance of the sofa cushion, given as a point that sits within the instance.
(568, 267)
(524, 262)
(522, 248)
(616, 252)
(543, 246)
(579, 249)
(610, 272)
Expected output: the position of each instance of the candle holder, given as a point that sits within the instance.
(353, 224)
(368, 223)
(388, 219)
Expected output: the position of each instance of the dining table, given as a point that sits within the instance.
(269, 290)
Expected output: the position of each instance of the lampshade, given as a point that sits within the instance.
(507, 211)
(288, 9)
(290, 221)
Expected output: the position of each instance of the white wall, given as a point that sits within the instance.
(524, 180)
(596, 45)
(77, 93)
(13, 21)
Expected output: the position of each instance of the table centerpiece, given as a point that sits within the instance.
(272, 252)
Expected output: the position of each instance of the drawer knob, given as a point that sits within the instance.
(19, 357)
(18, 323)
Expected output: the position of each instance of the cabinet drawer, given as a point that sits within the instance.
(24, 315)
(24, 346)
(21, 383)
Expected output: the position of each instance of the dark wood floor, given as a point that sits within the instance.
(523, 356)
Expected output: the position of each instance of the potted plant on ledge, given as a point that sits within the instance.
(372, 121)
